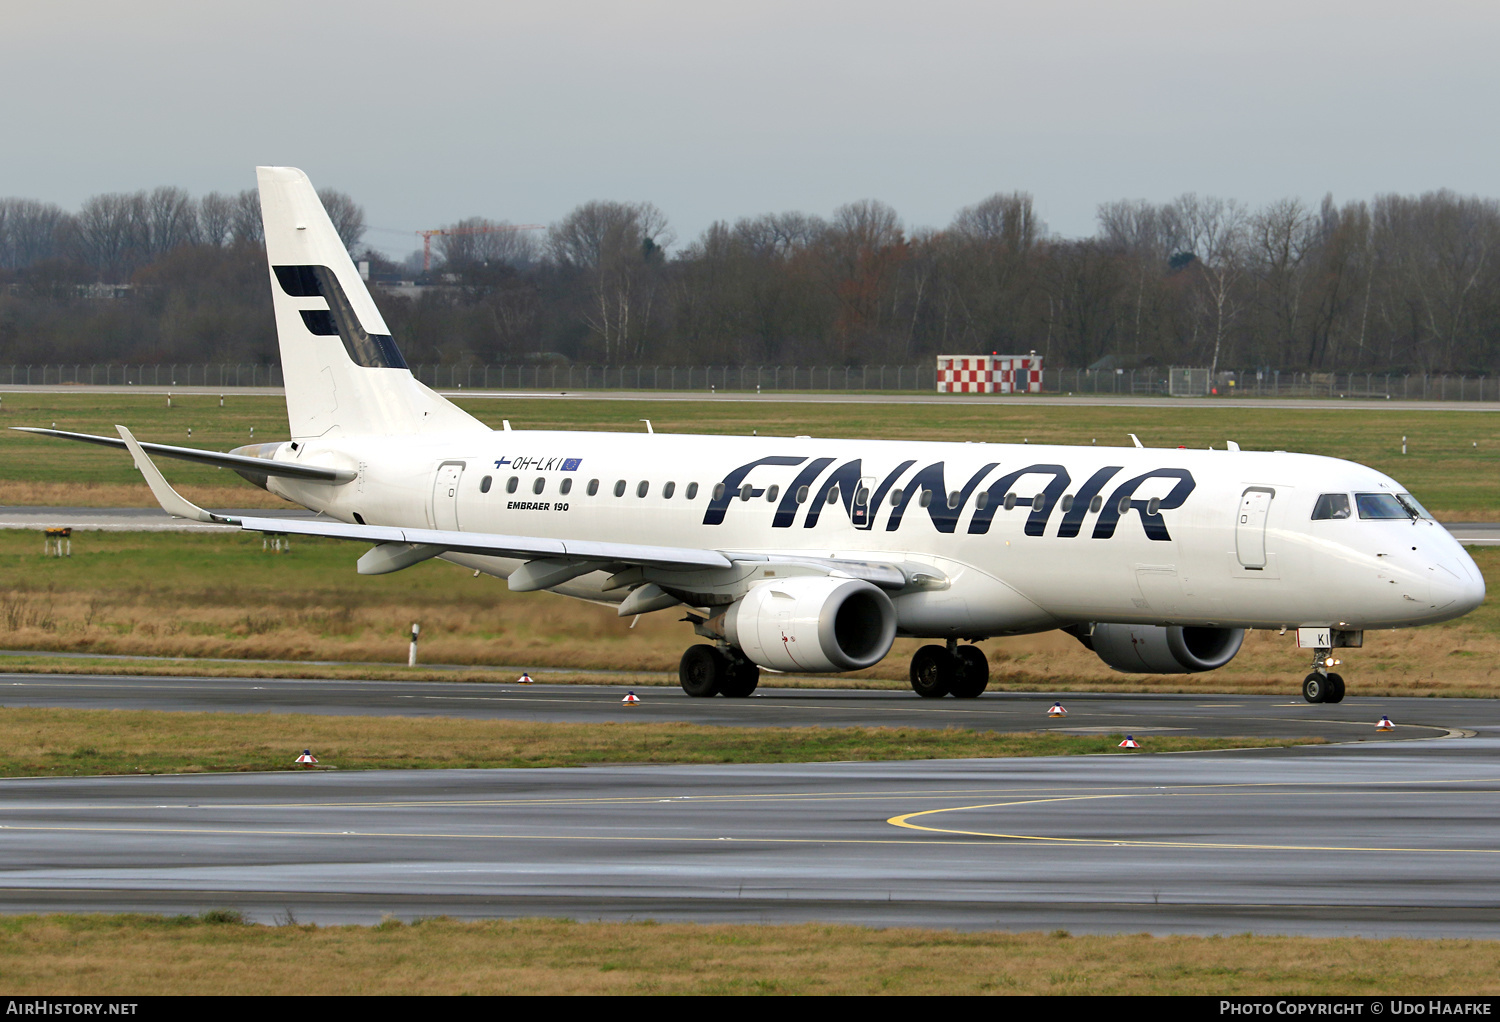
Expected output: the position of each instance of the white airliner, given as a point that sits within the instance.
(813, 555)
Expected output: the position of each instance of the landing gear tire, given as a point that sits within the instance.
(973, 676)
(933, 669)
(1335, 689)
(740, 679)
(702, 671)
(1316, 687)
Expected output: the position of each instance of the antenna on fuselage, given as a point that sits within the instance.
(648, 426)
(1232, 445)
(1135, 439)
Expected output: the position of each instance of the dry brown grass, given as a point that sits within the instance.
(139, 955)
(20, 493)
(178, 595)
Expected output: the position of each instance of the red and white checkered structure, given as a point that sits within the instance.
(989, 374)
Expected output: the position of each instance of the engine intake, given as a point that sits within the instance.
(1157, 649)
(813, 623)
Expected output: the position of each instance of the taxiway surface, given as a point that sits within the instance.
(1385, 839)
(1371, 836)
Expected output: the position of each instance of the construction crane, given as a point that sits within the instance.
(427, 236)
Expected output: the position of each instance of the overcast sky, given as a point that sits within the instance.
(433, 110)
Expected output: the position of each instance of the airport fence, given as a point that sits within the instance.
(1255, 383)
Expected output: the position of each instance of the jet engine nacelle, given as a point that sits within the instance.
(1154, 649)
(813, 623)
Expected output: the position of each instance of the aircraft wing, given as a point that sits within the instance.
(401, 547)
(260, 466)
(550, 561)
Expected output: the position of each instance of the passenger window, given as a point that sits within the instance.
(1097, 504)
(833, 495)
(895, 497)
(982, 499)
(771, 494)
(593, 487)
(511, 484)
(926, 499)
(566, 486)
(1330, 506)
(643, 488)
(802, 494)
(668, 490)
(539, 485)
(718, 491)
(746, 492)
(1067, 503)
(692, 490)
(1152, 506)
(484, 484)
(1010, 501)
(620, 488)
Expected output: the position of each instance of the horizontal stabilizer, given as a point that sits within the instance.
(260, 466)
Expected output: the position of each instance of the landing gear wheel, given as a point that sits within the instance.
(702, 671)
(973, 676)
(1335, 689)
(740, 679)
(932, 672)
(1316, 688)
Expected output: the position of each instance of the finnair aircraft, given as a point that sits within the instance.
(813, 555)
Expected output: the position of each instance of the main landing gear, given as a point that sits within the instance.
(1322, 685)
(960, 671)
(706, 671)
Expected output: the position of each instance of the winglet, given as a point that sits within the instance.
(172, 502)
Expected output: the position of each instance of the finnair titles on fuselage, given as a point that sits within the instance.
(804, 554)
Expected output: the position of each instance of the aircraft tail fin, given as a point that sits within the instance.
(343, 371)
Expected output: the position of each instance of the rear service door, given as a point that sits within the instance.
(445, 495)
(1250, 526)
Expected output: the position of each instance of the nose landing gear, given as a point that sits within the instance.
(1322, 685)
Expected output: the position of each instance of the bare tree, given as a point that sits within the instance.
(348, 216)
(167, 217)
(618, 247)
(1214, 231)
(105, 234)
(476, 241)
(248, 226)
(1006, 220)
(215, 219)
(29, 232)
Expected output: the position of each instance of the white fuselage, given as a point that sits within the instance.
(1029, 537)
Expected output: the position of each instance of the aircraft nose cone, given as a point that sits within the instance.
(1471, 589)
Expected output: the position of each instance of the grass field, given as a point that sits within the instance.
(53, 742)
(1452, 465)
(192, 595)
(217, 954)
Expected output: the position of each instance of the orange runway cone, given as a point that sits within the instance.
(1385, 725)
(307, 758)
(1058, 710)
(631, 699)
(1130, 743)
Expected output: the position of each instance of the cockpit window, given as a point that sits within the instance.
(1331, 505)
(1389, 505)
(1411, 502)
